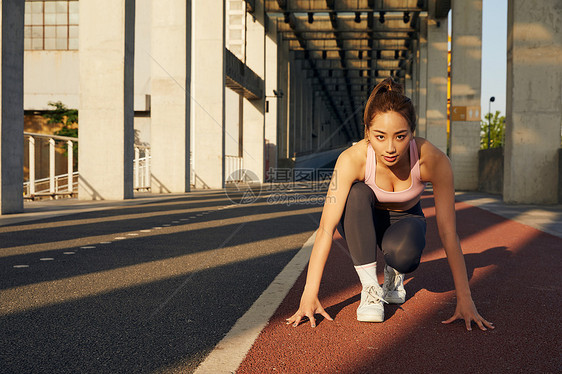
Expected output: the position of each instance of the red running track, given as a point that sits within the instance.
(514, 273)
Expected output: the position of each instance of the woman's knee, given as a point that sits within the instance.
(359, 195)
(405, 260)
(403, 244)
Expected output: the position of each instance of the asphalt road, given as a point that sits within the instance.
(146, 288)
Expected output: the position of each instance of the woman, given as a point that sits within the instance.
(374, 199)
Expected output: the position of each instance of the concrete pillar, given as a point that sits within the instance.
(415, 73)
(254, 110)
(11, 106)
(106, 99)
(436, 130)
(534, 102)
(322, 128)
(232, 120)
(275, 103)
(318, 120)
(299, 106)
(304, 113)
(466, 66)
(171, 81)
(407, 87)
(301, 137)
(309, 115)
(305, 135)
(422, 78)
(293, 95)
(283, 85)
(208, 92)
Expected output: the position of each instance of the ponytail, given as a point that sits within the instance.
(388, 96)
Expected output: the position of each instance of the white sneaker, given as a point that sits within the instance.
(393, 286)
(371, 308)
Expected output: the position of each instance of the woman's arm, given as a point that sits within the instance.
(439, 172)
(343, 176)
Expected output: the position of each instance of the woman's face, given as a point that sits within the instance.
(390, 136)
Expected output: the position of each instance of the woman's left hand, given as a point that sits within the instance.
(467, 310)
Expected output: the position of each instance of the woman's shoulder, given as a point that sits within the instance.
(356, 154)
(353, 158)
(431, 159)
(426, 150)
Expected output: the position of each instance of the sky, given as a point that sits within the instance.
(494, 55)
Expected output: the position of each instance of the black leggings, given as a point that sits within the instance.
(400, 235)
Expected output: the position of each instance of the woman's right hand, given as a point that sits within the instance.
(309, 306)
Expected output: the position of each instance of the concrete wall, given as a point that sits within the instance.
(421, 107)
(466, 66)
(534, 101)
(436, 114)
(143, 52)
(232, 121)
(292, 94)
(55, 75)
(490, 170)
(208, 92)
(171, 51)
(106, 115)
(271, 83)
(560, 176)
(254, 110)
(283, 113)
(51, 76)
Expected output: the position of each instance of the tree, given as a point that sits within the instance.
(496, 125)
(68, 118)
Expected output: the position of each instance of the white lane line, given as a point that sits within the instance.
(184, 219)
(120, 238)
(21, 266)
(157, 228)
(145, 230)
(192, 217)
(68, 253)
(103, 243)
(175, 221)
(167, 225)
(87, 247)
(133, 234)
(231, 350)
(46, 259)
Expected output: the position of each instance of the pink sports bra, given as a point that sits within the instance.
(396, 200)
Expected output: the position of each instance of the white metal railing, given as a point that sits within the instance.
(233, 169)
(191, 170)
(42, 186)
(67, 184)
(141, 168)
(54, 186)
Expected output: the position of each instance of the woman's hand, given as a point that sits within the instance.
(309, 306)
(467, 311)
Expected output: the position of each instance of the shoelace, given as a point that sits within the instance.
(397, 280)
(392, 282)
(387, 284)
(373, 297)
